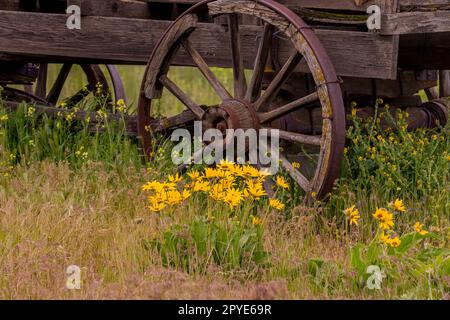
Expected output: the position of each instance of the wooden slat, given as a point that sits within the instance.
(113, 8)
(416, 22)
(421, 5)
(130, 41)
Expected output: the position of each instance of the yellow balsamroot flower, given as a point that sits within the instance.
(226, 165)
(251, 172)
(256, 221)
(394, 242)
(155, 205)
(233, 197)
(296, 165)
(255, 190)
(211, 173)
(282, 182)
(175, 178)
(397, 205)
(385, 218)
(152, 186)
(276, 204)
(201, 186)
(352, 214)
(174, 198)
(384, 238)
(419, 228)
(217, 192)
(194, 175)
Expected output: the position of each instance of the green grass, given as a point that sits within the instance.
(69, 196)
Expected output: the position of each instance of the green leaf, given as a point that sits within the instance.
(356, 260)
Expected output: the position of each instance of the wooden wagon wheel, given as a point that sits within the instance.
(250, 106)
(94, 74)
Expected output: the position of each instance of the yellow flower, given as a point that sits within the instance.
(226, 165)
(155, 205)
(394, 242)
(256, 190)
(352, 214)
(174, 197)
(419, 229)
(211, 173)
(233, 197)
(397, 205)
(384, 238)
(276, 204)
(296, 165)
(201, 186)
(121, 106)
(251, 172)
(256, 221)
(31, 111)
(175, 178)
(385, 218)
(194, 175)
(282, 182)
(217, 192)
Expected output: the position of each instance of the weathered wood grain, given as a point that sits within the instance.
(415, 22)
(130, 41)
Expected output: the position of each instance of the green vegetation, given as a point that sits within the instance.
(71, 194)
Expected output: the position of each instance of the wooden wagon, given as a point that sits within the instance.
(297, 64)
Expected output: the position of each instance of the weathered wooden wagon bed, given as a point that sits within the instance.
(309, 59)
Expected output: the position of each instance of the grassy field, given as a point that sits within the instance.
(68, 197)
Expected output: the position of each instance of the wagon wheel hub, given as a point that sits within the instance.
(231, 114)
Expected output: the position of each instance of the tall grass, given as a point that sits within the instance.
(71, 194)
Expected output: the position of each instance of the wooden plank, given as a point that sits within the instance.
(353, 5)
(113, 8)
(421, 5)
(130, 41)
(415, 22)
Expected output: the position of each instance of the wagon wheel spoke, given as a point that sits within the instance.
(205, 70)
(288, 108)
(240, 83)
(55, 91)
(295, 137)
(268, 183)
(41, 85)
(182, 96)
(254, 89)
(79, 96)
(301, 180)
(278, 81)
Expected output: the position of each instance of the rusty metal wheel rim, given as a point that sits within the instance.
(307, 47)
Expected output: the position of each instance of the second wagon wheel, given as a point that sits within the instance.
(250, 106)
(94, 76)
